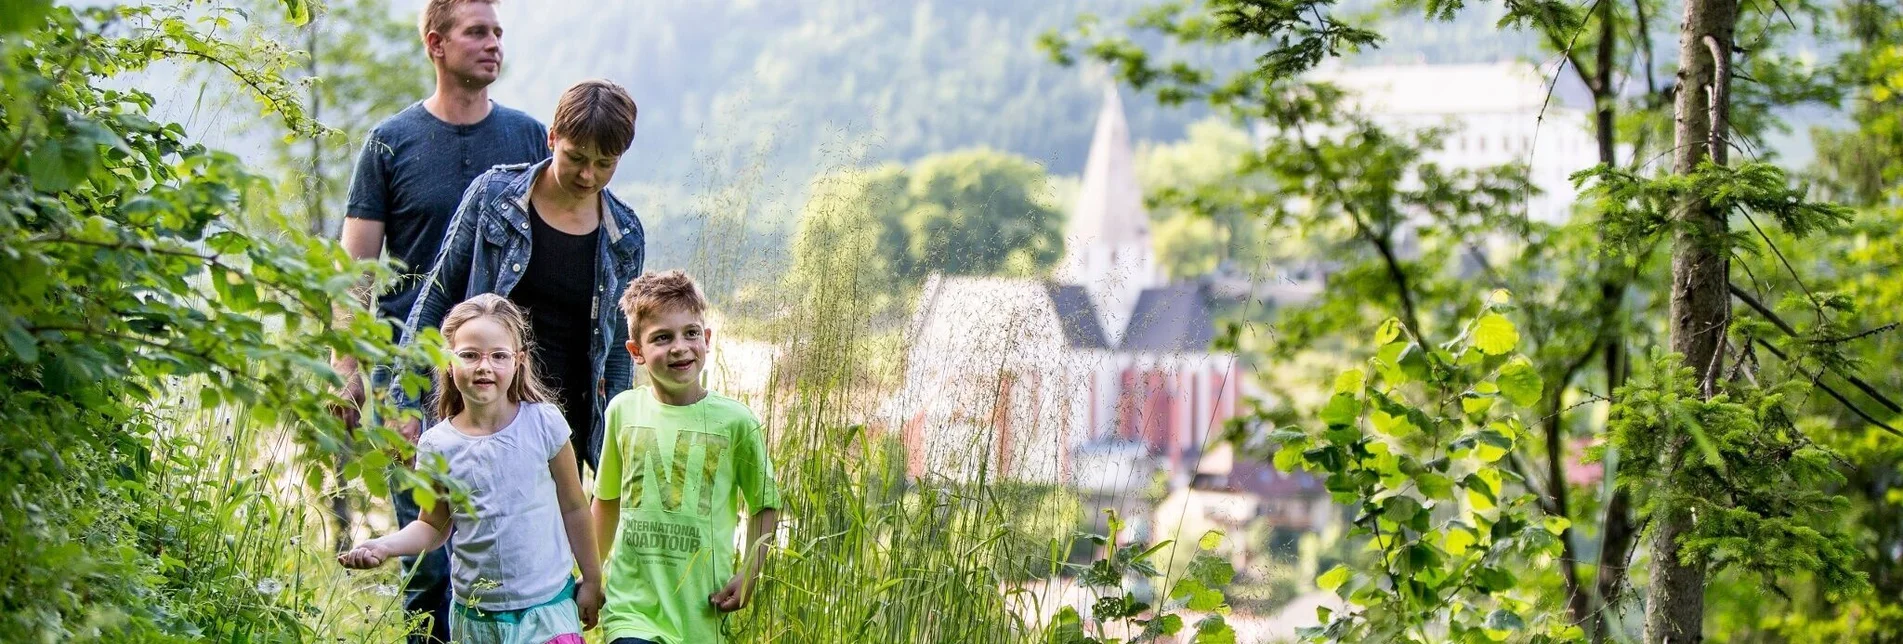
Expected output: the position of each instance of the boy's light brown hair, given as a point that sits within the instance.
(655, 293)
(440, 16)
(596, 113)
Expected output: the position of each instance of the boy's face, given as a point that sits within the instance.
(579, 168)
(471, 51)
(672, 344)
(483, 356)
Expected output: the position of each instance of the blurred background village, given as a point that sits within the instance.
(1037, 318)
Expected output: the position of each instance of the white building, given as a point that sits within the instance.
(1499, 113)
(1095, 378)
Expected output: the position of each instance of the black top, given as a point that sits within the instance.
(411, 175)
(557, 288)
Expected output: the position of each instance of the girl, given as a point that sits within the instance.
(510, 561)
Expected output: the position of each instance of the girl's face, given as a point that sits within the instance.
(483, 357)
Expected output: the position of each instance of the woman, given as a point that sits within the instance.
(550, 237)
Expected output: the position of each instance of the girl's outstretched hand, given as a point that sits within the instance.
(368, 554)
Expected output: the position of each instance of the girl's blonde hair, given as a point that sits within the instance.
(527, 387)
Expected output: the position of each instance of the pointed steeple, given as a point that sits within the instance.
(1107, 239)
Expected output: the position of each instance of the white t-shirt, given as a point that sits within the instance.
(513, 552)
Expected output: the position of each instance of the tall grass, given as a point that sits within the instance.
(870, 553)
(244, 541)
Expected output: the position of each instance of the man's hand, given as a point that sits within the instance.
(588, 600)
(411, 430)
(352, 392)
(733, 597)
(366, 555)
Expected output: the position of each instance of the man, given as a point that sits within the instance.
(409, 179)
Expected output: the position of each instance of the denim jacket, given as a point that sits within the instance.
(487, 249)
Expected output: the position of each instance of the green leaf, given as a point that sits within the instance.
(425, 497)
(1288, 459)
(1350, 381)
(1520, 383)
(1214, 630)
(1473, 404)
(1388, 331)
(1491, 579)
(48, 168)
(1457, 541)
(297, 12)
(1334, 578)
(1213, 571)
(1341, 410)
(1505, 620)
(22, 343)
(1206, 600)
(1210, 540)
(1434, 485)
(1481, 499)
(1397, 426)
(1557, 525)
(20, 15)
(1494, 334)
(1185, 587)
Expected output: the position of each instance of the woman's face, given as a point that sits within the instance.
(579, 168)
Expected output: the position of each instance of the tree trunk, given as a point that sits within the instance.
(1616, 536)
(1674, 611)
(314, 184)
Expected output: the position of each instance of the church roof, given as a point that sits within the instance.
(1170, 319)
(1109, 209)
(1078, 315)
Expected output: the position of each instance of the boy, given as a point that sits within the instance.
(679, 457)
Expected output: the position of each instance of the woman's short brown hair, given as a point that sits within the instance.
(598, 114)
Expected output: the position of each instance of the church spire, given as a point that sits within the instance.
(1107, 239)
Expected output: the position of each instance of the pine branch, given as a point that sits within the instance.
(1779, 322)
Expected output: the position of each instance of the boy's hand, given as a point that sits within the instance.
(588, 599)
(368, 554)
(734, 597)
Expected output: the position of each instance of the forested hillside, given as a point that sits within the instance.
(717, 80)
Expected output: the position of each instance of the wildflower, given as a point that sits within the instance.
(384, 590)
(269, 587)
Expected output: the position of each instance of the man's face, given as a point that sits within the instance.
(673, 346)
(579, 168)
(471, 50)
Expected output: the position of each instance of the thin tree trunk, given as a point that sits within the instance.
(1616, 535)
(1700, 310)
(316, 224)
(314, 184)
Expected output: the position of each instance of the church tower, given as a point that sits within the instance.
(1107, 239)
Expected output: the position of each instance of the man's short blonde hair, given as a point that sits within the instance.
(440, 16)
(655, 293)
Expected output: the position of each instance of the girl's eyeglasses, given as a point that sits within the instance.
(471, 358)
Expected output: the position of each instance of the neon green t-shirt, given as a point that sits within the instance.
(681, 474)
